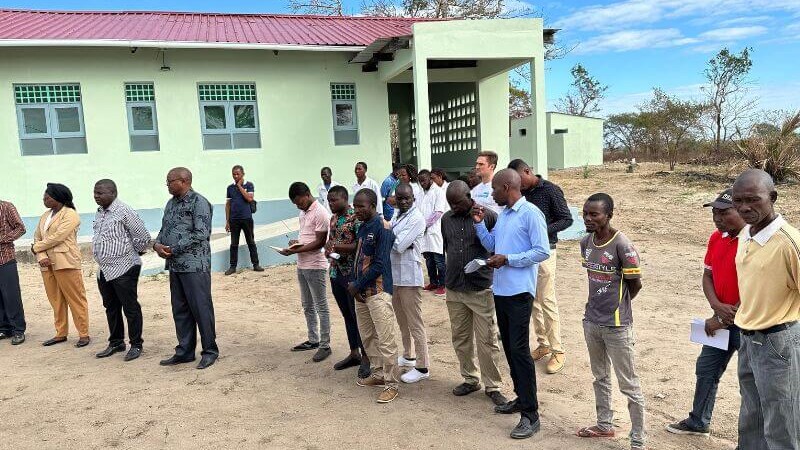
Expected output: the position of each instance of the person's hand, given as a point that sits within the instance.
(477, 214)
(286, 252)
(497, 261)
(352, 289)
(293, 241)
(162, 250)
(239, 182)
(227, 227)
(359, 298)
(45, 262)
(712, 326)
(725, 312)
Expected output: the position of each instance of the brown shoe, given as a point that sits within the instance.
(83, 342)
(389, 393)
(540, 352)
(556, 363)
(371, 381)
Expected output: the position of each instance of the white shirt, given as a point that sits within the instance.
(482, 194)
(406, 255)
(444, 185)
(433, 201)
(322, 194)
(47, 221)
(372, 185)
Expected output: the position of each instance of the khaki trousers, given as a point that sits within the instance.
(546, 321)
(375, 317)
(65, 291)
(407, 302)
(472, 318)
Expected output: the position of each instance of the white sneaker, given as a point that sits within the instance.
(402, 362)
(414, 375)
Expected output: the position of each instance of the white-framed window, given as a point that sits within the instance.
(229, 116)
(50, 119)
(140, 105)
(345, 114)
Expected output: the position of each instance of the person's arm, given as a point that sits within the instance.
(634, 286)
(407, 234)
(433, 218)
(485, 236)
(383, 245)
(17, 227)
(247, 193)
(320, 237)
(628, 257)
(201, 227)
(560, 210)
(140, 237)
(540, 246)
(66, 226)
(228, 215)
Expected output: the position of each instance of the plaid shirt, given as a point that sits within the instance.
(119, 236)
(11, 229)
(343, 231)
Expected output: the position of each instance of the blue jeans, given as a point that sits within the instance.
(436, 267)
(711, 364)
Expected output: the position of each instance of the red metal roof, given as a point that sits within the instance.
(200, 27)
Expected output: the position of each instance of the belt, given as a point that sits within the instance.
(770, 330)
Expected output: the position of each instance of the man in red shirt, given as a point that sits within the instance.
(721, 290)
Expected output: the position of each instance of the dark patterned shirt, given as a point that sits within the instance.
(461, 245)
(119, 236)
(373, 270)
(11, 229)
(549, 198)
(186, 230)
(343, 231)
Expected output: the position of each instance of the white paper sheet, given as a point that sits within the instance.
(474, 265)
(698, 335)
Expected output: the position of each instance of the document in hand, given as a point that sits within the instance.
(474, 265)
(699, 336)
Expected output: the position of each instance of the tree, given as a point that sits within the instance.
(772, 148)
(675, 122)
(437, 9)
(624, 131)
(726, 91)
(321, 7)
(519, 102)
(584, 97)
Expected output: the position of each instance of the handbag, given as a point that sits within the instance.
(253, 206)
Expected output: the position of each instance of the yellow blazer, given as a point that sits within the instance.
(59, 241)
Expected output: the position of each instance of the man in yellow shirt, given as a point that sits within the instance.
(768, 266)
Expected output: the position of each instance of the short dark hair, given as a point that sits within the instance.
(237, 167)
(326, 168)
(518, 165)
(339, 190)
(608, 202)
(297, 189)
(395, 166)
(424, 172)
(371, 196)
(105, 182)
(440, 172)
(363, 164)
(490, 156)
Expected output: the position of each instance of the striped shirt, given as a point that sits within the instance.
(119, 236)
(11, 229)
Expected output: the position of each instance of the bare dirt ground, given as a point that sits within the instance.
(260, 395)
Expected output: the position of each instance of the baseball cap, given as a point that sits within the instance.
(723, 201)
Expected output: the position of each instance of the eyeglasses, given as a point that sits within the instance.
(172, 181)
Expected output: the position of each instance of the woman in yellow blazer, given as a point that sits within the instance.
(55, 244)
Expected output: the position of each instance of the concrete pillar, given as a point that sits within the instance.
(422, 112)
(538, 108)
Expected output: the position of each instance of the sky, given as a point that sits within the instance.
(631, 46)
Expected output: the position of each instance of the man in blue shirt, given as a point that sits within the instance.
(519, 242)
(387, 187)
(239, 217)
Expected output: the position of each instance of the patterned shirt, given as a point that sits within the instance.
(343, 231)
(373, 270)
(608, 266)
(119, 236)
(549, 198)
(11, 229)
(186, 230)
(461, 245)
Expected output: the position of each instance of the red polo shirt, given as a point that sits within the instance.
(721, 261)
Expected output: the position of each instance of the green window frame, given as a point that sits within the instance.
(50, 119)
(344, 112)
(229, 116)
(140, 107)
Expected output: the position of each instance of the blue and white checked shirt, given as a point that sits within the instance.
(119, 236)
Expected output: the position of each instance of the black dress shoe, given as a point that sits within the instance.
(110, 350)
(207, 361)
(230, 271)
(305, 346)
(54, 341)
(4, 335)
(364, 370)
(321, 354)
(497, 398)
(83, 342)
(18, 338)
(525, 428)
(175, 360)
(258, 268)
(511, 407)
(347, 363)
(465, 389)
(133, 353)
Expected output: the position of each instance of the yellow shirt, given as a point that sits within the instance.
(768, 266)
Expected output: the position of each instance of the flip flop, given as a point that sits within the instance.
(594, 432)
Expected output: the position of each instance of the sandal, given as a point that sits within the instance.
(594, 432)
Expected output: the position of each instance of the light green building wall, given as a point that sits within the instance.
(294, 108)
(580, 145)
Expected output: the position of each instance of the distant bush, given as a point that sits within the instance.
(775, 150)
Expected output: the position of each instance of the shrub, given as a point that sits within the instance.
(773, 150)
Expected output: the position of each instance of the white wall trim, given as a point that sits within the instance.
(173, 44)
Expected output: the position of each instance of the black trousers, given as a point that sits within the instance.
(120, 295)
(246, 225)
(347, 306)
(12, 315)
(513, 320)
(193, 310)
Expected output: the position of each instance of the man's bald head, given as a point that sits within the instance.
(754, 197)
(755, 177)
(181, 172)
(179, 181)
(506, 186)
(404, 188)
(458, 197)
(508, 177)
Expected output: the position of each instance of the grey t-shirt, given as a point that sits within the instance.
(607, 267)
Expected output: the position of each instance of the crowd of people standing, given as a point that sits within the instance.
(488, 242)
